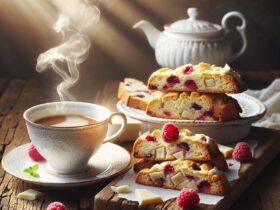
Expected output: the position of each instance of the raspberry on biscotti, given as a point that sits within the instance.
(150, 138)
(187, 199)
(168, 169)
(170, 132)
(34, 154)
(242, 152)
(56, 206)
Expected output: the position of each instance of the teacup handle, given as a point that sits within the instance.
(121, 129)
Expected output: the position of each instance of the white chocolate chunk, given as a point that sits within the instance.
(227, 151)
(185, 114)
(179, 155)
(177, 178)
(160, 152)
(189, 184)
(184, 184)
(225, 69)
(30, 195)
(154, 168)
(120, 189)
(147, 197)
(156, 175)
(209, 82)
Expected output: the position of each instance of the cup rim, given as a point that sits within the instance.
(27, 111)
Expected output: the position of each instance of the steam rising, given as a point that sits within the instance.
(65, 58)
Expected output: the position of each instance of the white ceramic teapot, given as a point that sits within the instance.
(193, 41)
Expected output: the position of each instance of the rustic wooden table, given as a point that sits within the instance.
(17, 95)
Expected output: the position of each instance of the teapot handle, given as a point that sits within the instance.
(240, 29)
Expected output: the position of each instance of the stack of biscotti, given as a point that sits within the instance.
(175, 158)
(192, 92)
(195, 92)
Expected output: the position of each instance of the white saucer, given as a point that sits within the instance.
(109, 161)
(223, 132)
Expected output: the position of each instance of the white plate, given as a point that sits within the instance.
(109, 161)
(223, 132)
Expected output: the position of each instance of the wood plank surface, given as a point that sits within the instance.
(268, 148)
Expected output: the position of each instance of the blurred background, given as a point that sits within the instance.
(117, 51)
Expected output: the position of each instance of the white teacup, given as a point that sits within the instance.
(68, 149)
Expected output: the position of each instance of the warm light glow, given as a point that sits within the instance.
(117, 49)
(30, 23)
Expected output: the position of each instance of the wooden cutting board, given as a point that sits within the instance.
(268, 148)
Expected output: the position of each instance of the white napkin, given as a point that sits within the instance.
(270, 96)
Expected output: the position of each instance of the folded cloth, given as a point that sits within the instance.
(270, 96)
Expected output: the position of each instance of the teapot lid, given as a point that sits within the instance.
(193, 26)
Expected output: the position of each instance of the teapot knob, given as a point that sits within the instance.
(192, 13)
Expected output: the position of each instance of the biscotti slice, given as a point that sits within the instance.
(134, 93)
(194, 106)
(201, 78)
(198, 147)
(181, 174)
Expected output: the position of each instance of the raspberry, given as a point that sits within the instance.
(201, 117)
(167, 114)
(150, 138)
(187, 199)
(140, 96)
(190, 177)
(170, 132)
(152, 87)
(184, 146)
(242, 152)
(167, 86)
(172, 80)
(191, 85)
(159, 182)
(204, 186)
(209, 114)
(34, 154)
(168, 169)
(188, 70)
(56, 206)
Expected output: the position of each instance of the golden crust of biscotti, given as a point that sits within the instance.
(180, 105)
(207, 78)
(189, 174)
(134, 93)
(197, 147)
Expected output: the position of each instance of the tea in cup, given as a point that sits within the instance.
(67, 134)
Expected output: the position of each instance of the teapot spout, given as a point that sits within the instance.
(150, 31)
